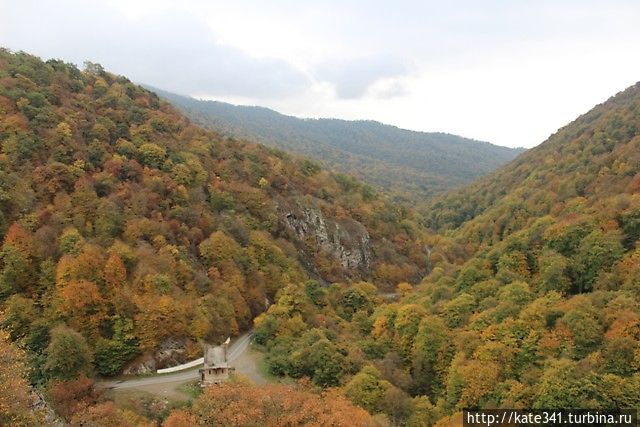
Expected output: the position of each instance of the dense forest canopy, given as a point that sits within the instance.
(124, 225)
(412, 164)
(543, 313)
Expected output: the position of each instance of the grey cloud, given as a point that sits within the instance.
(353, 77)
(394, 90)
(170, 50)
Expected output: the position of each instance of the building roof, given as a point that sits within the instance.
(215, 357)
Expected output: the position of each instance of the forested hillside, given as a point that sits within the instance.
(413, 164)
(125, 227)
(128, 232)
(589, 167)
(544, 313)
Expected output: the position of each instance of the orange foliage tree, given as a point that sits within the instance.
(15, 393)
(270, 405)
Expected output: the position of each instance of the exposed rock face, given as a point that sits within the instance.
(38, 404)
(345, 239)
(142, 365)
(170, 352)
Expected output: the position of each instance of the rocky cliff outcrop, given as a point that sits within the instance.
(39, 405)
(344, 239)
(172, 351)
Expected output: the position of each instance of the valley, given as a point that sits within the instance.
(132, 237)
(407, 164)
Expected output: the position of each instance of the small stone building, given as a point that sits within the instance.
(216, 366)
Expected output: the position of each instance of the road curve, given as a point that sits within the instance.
(237, 347)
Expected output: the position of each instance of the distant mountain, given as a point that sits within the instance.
(396, 159)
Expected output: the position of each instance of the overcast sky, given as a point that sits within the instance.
(509, 72)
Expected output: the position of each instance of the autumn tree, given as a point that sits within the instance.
(431, 355)
(367, 389)
(152, 155)
(596, 253)
(270, 405)
(585, 328)
(68, 397)
(15, 392)
(219, 247)
(321, 361)
(115, 272)
(16, 271)
(458, 310)
(565, 385)
(68, 354)
(553, 272)
(108, 415)
(112, 354)
(19, 314)
(83, 306)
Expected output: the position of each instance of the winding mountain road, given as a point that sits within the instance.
(237, 348)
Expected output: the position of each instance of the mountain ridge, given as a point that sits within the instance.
(404, 161)
(561, 152)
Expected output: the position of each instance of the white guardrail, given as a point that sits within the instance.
(183, 366)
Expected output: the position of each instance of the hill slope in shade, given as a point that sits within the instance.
(416, 164)
(125, 222)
